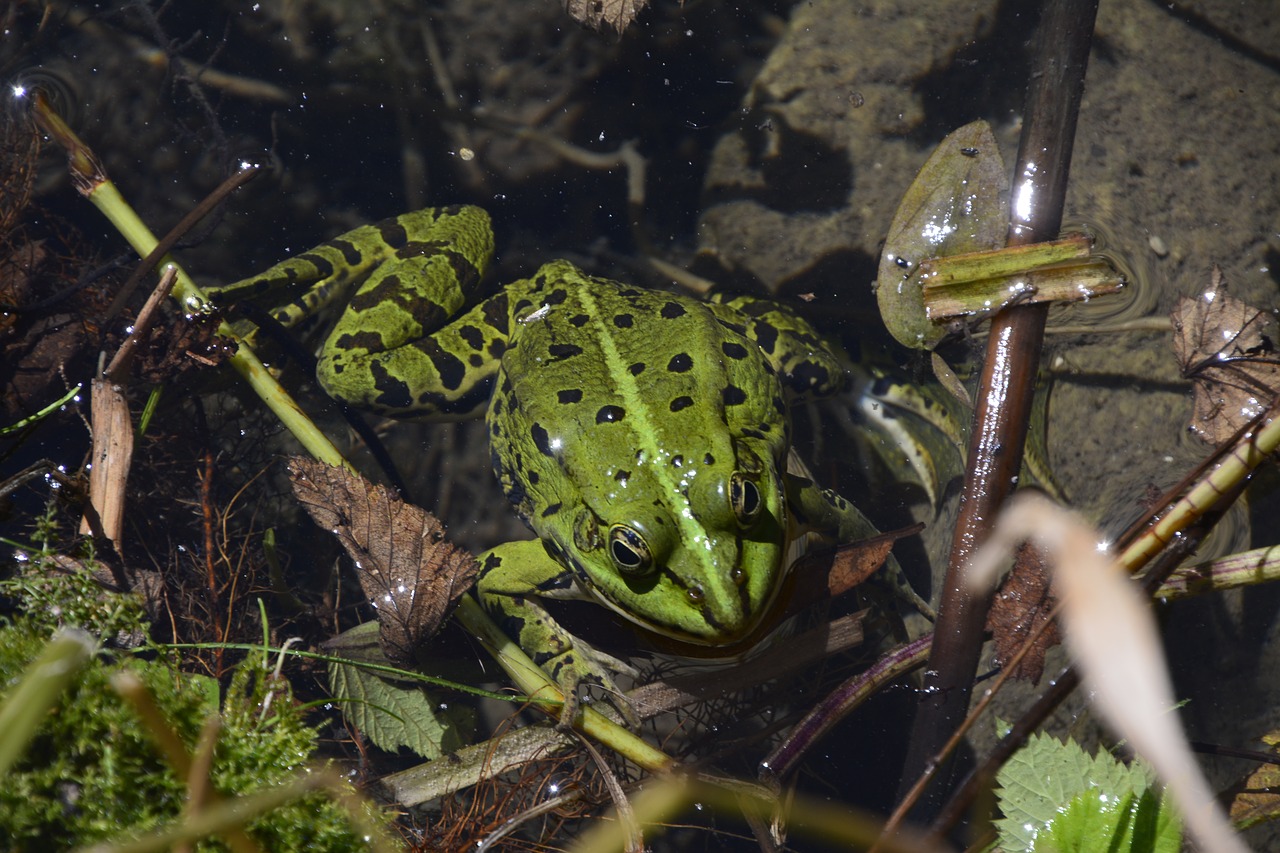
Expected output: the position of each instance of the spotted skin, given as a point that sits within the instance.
(643, 436)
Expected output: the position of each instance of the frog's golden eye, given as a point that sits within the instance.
(629, 551)
(744, 497)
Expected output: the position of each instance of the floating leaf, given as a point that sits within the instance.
(596, 13)
(409, 573)
(958, 203)
(1228, 349)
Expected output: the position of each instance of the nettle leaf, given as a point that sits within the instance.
(958, 203)
(1096, 821)
(1054, 796)
(390, 714)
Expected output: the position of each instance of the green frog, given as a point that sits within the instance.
(642, 435)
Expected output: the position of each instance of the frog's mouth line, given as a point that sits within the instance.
(765, 620)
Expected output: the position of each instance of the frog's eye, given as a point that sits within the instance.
(629, 551)
(744, 497)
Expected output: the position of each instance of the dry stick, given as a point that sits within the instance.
(199, 212)
(1007, 382)
(112, 427)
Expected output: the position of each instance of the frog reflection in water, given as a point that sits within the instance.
(642, 435)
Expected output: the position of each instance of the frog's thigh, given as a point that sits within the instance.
(805, 362)
(512, 577)
(440, 374)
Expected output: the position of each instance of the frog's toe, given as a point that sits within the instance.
(578, 669)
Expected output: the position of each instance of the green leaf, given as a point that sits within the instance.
(391, 715)
(958, 203)
(1055, 797)
(1093, 821)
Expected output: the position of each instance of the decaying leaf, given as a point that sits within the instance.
(1228, 349)
(821, 574)
(1256, 798)
(854, 563)
(597, 13)
(410, 574)
(1022, 604)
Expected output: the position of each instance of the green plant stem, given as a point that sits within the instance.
(1232, 470)
(547, 696)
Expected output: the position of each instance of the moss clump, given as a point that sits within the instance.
(93, 773)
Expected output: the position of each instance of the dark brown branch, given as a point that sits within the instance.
(1007, 381)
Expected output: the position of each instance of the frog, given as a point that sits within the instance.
(643, 436)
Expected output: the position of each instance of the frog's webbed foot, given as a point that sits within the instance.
(582, 668)
(512, 577)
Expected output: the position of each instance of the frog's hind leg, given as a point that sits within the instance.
(396, 351)
(807, 364)
(827, 513)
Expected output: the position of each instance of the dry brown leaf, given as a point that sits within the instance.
(825, 573)
(596, 13)
(1023, 603)
(410, 574)
(1228, 349)
(1256, 798)
(858, 561)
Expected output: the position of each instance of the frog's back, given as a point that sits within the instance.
(607, 377)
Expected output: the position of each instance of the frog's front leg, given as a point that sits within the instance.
(512, 578)
(825, 512)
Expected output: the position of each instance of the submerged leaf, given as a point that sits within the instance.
(1256, 798)
(410, 574)
(1023, 603)
(1228, 349)
(596, 13)
(958, 203)
(391, 715)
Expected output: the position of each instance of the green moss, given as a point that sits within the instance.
(93, 773)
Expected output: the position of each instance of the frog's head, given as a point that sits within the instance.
(691, 549)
